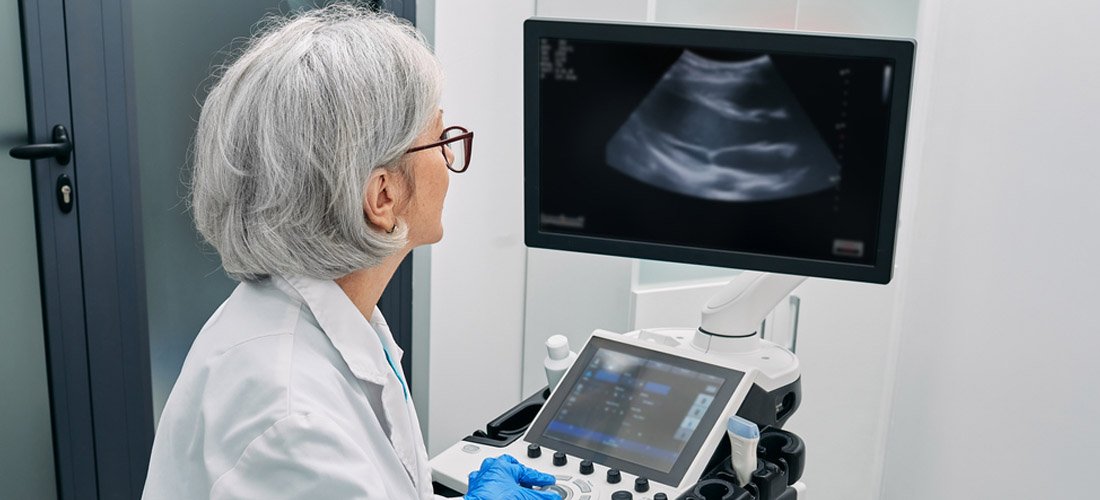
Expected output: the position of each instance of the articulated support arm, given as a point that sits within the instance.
(737, 310)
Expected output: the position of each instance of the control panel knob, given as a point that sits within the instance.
(534, 451)
(622, 495)
(660, 496)
(641, 485)
(586, 467)
(559, 458)
(614, 476)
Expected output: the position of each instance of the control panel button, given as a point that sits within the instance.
(614, 476)
(559, 458)
(660, 496)
(622, 495)
(471, 448)
(585, 486)
(534, 451)
(641, 485)
(586, 467)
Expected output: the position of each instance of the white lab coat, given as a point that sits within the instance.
(287, 393)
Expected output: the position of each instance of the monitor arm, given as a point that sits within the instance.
(732, 318)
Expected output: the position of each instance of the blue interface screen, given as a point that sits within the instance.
(634, 409)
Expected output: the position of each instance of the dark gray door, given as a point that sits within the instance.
(90, 291)
(97, 39)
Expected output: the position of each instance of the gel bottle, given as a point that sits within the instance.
(558, 359)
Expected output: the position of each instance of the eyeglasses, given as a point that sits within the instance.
(459, 141)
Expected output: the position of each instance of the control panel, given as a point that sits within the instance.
(577, 478)
(631, 419)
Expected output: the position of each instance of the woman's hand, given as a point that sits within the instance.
(504, 478)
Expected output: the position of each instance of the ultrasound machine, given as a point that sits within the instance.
(777, 153)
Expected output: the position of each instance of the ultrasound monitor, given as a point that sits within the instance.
(767, 151)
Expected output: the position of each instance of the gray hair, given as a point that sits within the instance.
(289, 136)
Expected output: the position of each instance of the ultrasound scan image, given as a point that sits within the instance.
(725, 131)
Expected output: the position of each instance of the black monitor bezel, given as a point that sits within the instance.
(675, 475)
(900, 50)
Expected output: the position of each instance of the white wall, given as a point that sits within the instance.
(844, 347)
(995, 394)
(478, 270)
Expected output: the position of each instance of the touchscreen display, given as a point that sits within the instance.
(640, 410)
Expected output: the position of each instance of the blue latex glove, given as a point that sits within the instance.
(504, 478)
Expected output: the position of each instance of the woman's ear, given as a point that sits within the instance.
(381, 197)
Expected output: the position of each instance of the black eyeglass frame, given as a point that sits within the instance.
(467, 138)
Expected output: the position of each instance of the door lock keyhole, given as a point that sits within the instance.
(65, 193)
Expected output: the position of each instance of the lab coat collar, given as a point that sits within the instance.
(355, 339)
(346, 327)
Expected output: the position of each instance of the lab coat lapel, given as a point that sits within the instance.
(363, 346)
(393, 402)
(405, 430)
(421, 455)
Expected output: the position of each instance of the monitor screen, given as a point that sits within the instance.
(638, 410)
(764, 151)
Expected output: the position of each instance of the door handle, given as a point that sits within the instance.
(61, 149)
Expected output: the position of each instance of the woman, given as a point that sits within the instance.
(321, 160)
